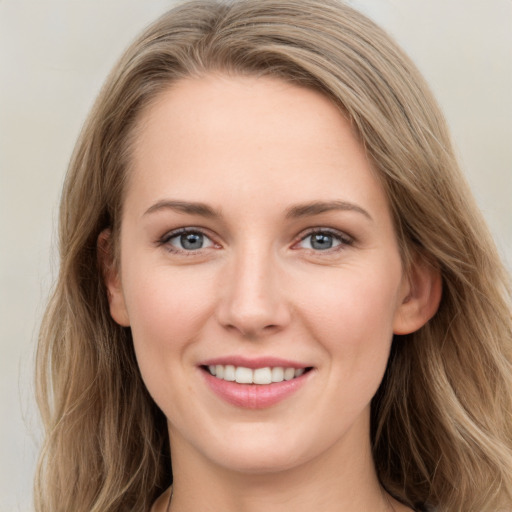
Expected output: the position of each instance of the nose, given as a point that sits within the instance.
(253, 300)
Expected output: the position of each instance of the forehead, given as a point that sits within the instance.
(205, 137)
(197, 106)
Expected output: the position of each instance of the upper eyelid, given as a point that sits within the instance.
(187, 229)
(342, 235)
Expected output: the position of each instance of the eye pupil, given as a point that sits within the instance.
(192, 241)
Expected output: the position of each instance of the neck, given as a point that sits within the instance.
(342, 481)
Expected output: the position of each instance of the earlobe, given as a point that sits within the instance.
(111, 278)
(421, 299)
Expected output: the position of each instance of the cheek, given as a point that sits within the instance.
(166, 312)
(166, 315)
(352, 319)
(353, 315)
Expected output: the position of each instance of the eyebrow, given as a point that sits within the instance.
(318, 207)
(192, 208)
(297, 211)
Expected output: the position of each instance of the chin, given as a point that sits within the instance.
(260, 462)
(260, 450)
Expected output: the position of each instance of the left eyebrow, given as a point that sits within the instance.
(318, 207)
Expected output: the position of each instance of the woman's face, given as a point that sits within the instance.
(257, 244)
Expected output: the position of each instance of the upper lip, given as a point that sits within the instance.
(253, 363)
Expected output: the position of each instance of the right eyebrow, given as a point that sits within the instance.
(190, 207)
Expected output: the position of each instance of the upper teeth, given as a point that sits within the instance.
(244, 375)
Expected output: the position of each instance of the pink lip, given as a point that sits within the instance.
(254, 396)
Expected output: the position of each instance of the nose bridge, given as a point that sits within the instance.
(253, 301)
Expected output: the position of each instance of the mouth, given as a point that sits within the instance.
(258, 376)
(255, 383)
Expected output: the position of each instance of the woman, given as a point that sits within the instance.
(275, 290)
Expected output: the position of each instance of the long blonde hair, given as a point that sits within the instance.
(442, 418)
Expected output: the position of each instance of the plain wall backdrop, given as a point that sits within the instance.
(54, 56)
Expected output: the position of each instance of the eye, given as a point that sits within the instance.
(323, 240)
(187, 240)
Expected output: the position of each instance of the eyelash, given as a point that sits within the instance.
(166, 239)
(343, 239)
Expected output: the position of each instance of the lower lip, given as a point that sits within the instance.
(254, 396)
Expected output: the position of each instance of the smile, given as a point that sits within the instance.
(261, 376)
(255, 383)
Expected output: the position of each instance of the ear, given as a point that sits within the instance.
(110, 273)
(420, 299)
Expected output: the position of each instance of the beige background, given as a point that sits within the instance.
(54, 55)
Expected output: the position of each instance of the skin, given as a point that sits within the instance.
(254, 150)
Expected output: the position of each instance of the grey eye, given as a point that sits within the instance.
(321, 241)
(190, 241)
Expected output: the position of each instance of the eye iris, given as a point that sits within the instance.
(191, 241)
(321, 241)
